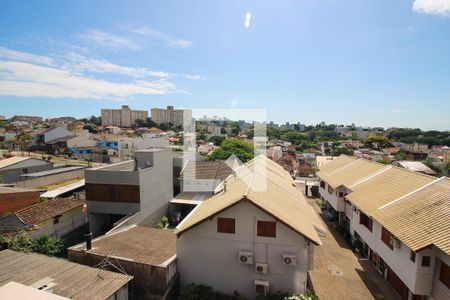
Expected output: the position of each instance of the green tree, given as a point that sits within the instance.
(243, 150)
(217, 139)
(376, 142)
(400, 156)
(49, 245)
(21, 242)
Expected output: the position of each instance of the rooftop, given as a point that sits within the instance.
(208, 170)
(72, 280)
(269, 187)
(10, 190)
(12, 160)
(420, 219)
(64, 189)
(40, 212)
(51, 172)
(140, 244)
(416, 166)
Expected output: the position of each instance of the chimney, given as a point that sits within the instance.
(88, 238)
(224, 185)
(136, 168)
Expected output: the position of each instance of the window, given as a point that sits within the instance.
(330, 190)
(444, 274)
(412, 256)
(365, 220)
(322, 184)
(426, 261)
(55, 220)
(387, 237)
(226, 225)
(341, 194)
(266, 228)
(25, 171)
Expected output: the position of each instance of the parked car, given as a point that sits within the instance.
(175, 218)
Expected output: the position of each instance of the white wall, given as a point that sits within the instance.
(336, 202)
(418, 279)
(211, 258)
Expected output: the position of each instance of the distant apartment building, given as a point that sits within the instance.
(139, 188)
(398, 219)
(171, 115)
(124, 117)
(2, 118)
(30, 119)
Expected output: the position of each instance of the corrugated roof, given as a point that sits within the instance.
(422, 218)
(10, 190)
(53, 171)
(40, 212)
(385, 187)
(72, 280)
(350, 172)
(416, 166)
(334, 164)
(140, 244)
(11, 161)
(265, 184)
(64, 189)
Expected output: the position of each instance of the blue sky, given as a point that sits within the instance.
(383, 62)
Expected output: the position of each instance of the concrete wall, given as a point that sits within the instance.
(68, 222)
(50, 179)
(12, 173)
(336, 202)
(211, 258)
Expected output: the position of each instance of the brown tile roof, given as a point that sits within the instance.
(212, 170)
(141, 244)
(72, 280)
(278, 197)
(422, 218)
(40, 212)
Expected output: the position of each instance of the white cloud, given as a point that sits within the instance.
(248, 17)
(79, 63)
(29, 80)
(105, 39)
(6, 53)
(194, 77)
(432, 7)
(151, 33)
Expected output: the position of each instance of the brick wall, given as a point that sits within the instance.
(12, 202)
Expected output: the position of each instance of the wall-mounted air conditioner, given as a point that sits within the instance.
(245, 257)
(261, 268)
(290, 259)
(261, 287)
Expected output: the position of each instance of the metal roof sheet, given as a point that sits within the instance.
(53, 171)
(72, 280)
(64, 189)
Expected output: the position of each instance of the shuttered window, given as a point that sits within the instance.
(386, 237)
(444, 274)
(226, 225)
(365, 220)
(266, 228)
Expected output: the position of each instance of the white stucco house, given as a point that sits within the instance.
(256, 235)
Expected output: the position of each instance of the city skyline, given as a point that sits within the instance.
(375, 64)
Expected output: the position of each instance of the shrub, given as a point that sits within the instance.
(50, 245)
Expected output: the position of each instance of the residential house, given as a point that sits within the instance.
(415, 166)
(204, 176)
(60, 277)
(136, 188)
(127, 146)
(13, 199)
(12, 168)
(80, 146)
(289, 163)
(59, 216)
(274, 153)
(413, 151)
(256, 235)
(399, 217)
(147, 254)
(51, 134)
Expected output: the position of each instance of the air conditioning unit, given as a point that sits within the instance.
(261, 287)
(261, 268)
(290, 259)
(395, 242)
(246, 257)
